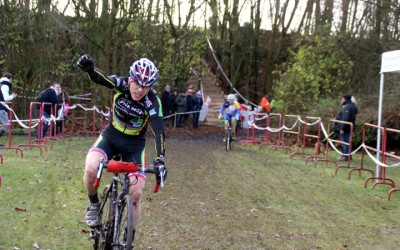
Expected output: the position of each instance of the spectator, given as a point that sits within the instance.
(180, 102)
(172, 105)
(63, 111)
(189, 107)
(265, 104)
(197, 104)
(164, 100)
(5, 87)
(347, 113)
(49, 95)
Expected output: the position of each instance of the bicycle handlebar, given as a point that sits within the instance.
(127, 167)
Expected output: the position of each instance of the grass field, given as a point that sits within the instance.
(213, 199)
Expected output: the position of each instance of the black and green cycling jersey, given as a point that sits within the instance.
(129, 116)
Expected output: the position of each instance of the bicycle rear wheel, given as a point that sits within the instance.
(124, 225)
(106, 228)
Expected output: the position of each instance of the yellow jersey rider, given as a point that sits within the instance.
(232, 112)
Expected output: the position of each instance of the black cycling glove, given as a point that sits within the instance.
(159, 165)
(86, 63)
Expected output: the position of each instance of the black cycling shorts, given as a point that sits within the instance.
(112, 142)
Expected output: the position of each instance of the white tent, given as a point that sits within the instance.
(390, 64)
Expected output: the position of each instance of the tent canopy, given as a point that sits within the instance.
(391, 62)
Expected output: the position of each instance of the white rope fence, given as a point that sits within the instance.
(373, 158)
(52, 117)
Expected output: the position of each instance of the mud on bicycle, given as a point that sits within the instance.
(116, 213)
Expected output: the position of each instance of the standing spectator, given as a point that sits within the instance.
(180, 102)
(347, 113)
(189, 107)
(266, 104)
(49, 95)
(5, 87)
(172, 105)
(63, 111)
(164, 100)
(197, 104)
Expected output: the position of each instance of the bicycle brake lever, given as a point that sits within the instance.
(162, 176)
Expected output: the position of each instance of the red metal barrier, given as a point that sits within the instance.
(86, 130)
(83, 118)
(276, 125)
(9, 125)
(30, 142)
(307, 135)
(361, 168)
(282, 144)
(62, 133)
(248, 140)
(382, 170)
(95, 118)
(53, 126)
(325, 159)
(41, 139)
(386, 154)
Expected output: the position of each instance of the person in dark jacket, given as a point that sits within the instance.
(49, 95)
(347, 113)
(180, 102)
(172, 105)
(197, 104)
(5, 96)
(189, 108)
(165, 100)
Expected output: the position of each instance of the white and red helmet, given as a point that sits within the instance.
(144, 72)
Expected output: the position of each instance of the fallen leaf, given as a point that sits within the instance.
(181, 235)
(20, 209)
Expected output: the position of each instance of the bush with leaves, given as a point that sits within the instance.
(317, 70)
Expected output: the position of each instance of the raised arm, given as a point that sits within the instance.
(86, 63)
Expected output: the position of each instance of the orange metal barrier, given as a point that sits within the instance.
(282, 144)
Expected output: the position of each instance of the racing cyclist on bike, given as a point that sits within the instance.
(232, 112)
(135, 103)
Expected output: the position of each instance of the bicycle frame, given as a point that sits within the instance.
(116, 199)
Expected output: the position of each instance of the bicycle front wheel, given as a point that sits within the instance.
(124, 225)
(228, 139)
(107, 221)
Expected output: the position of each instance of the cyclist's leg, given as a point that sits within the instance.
(102, 148)
(92, 161)
(233, 124)
(136, 192)
(134, 151)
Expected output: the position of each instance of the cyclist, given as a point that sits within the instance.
(135, 103)
(232, 111)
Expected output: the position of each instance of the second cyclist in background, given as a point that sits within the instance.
(232, 112)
